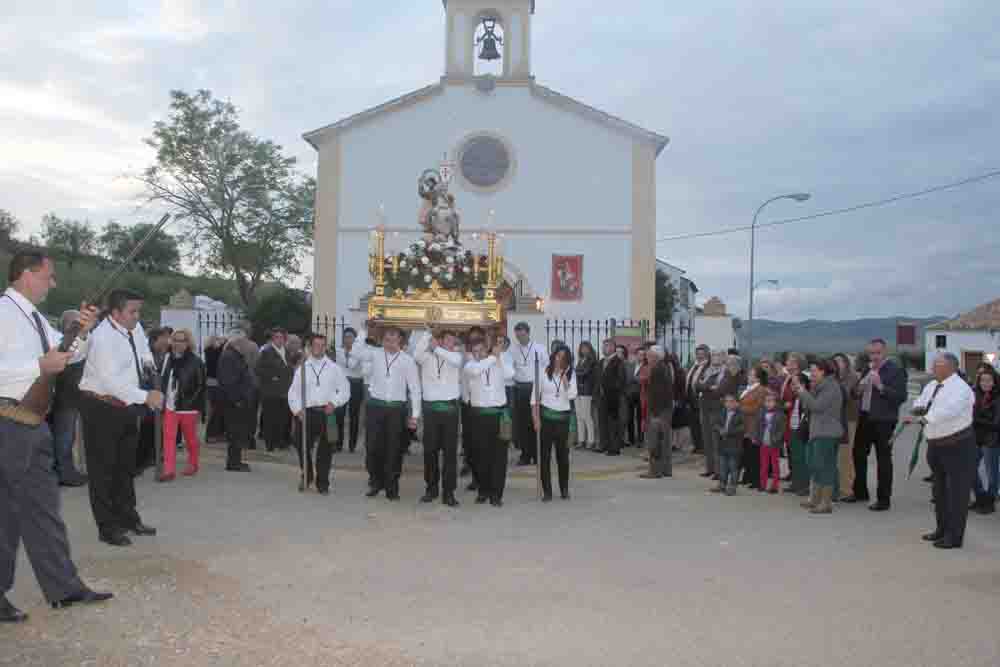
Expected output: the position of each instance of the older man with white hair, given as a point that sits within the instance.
(945, 409)
(660, 411)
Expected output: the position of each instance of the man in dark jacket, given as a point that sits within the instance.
(881, 392)
(660, 413)
(274, 377)
(237, 386)
(612, 389)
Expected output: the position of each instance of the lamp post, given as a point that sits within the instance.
(799, 197)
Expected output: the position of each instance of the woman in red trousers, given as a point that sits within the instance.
(184, 388)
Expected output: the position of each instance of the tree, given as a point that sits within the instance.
(286, 308)
(248, 213)
(71, 238)
(162, 252)
(666, 297)
(9, 225)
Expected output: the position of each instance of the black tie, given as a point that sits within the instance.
(41, 332)
(135, 355)
(933, 396)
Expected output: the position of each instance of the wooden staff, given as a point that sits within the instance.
(304, 418)
(536, 395)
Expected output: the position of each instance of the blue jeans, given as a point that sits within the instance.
(992, 456)
(729, 468)
(64, 423)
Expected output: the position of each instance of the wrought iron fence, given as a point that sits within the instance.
(330, 326)
(218, 323)
(574, 332)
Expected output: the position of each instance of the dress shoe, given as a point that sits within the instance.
(143, 530)
(429, 497)
(611, 452)
(496, 502)
(116, 539)
(86, 596)
(932, 537)
(647, 475)
(373, 491)
(879, 507)
(947, 543)
(472, 487)
(480, 500)
(929, 479)
(705, 474)
(564, 495)
(166, 477)
(191, 471)
(988, 507)
(547, 498)
(323, 492)
(848, 499)
(450, 501)
(392, 495)
(73, 481)
(9, 613)
(239, 467)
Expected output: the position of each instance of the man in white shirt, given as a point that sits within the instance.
(326, 389)
(29, 491)
(440, 374)
(349, 359)
(112, 401)
(526, 355)
(487, 377)
(389, 373)
(945, 409)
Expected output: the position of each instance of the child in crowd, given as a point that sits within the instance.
(771, 437)
(730, 446)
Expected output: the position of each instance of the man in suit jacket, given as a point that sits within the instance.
(693, 396)
(612, 395)
(274, 376)
(880, 393)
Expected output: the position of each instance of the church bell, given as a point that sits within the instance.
(489, 51)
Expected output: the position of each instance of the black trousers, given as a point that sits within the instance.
(611, 427)
(633, 418)
(751, 463)
(468, 440)
(111, 434)
(383, 438)
(525, 433)
(316, 440)
(954, 468)
(510, 391)
(694, 425)
(241, 421)
(873, 434)
(145, 450)
(216, 423)
(440, 438)
(490, 455)
(277, 421)
(352, 410)
(555, 435)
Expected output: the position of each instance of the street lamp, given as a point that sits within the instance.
(797, 196)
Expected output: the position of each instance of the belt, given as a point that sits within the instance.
(9, 402)
(499, 410)
(386, 404)
(952, 439)
(105, 398)
(524, 384)
(441, 406)
(555, 415)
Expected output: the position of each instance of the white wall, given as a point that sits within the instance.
(716, 332)
(959, 342)
(570, 173)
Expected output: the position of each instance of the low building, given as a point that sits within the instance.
(715, 327)
(973, 337)
(678, 335)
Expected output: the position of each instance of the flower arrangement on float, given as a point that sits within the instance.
(442, 264)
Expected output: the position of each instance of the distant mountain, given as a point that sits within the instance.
(826, 337)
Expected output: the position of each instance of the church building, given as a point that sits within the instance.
(570, 190)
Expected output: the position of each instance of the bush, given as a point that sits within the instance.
(284, 308)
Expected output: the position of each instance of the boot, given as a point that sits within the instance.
(813, 498)
(824, 504)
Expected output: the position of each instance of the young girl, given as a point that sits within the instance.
(771, 437)
(552, 411)
(986, 419)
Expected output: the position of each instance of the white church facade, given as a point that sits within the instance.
(570, 190)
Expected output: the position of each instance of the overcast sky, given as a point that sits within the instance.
(849, 100)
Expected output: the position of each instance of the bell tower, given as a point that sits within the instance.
(488, 36)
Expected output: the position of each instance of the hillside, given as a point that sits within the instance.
(73, 284)
(824, 336)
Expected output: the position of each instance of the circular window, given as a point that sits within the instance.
(485, 161)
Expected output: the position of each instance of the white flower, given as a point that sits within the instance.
(465, 269)
(421, 243)
(427, 279)
(414, 272)
(436, 270)
(425, 261)
(436, 246)
(449, 276)
(402, 264)
(450, 259)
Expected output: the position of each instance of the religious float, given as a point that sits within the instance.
(436, 281)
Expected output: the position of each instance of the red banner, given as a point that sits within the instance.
(567, 278)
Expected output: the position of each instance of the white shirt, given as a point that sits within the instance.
(951, 410)
(440, 371)
(466, 380)
(509, 360)
(350, 360)
(388, 376)
(20, 346)
(110, 368)
(488, 382)
(556, 392)
(326, 384)
(524, 357)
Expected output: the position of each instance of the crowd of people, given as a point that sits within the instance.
(473, 389)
